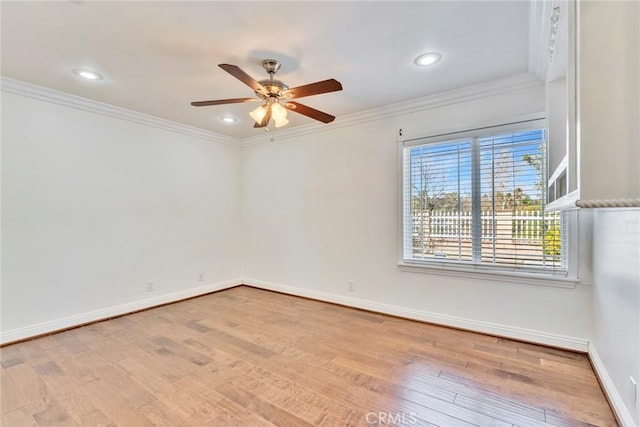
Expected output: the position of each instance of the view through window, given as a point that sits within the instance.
(480, 199)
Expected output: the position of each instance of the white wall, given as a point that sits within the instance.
(609, 102)
(609, 99)
(93, 207)
(322, 209)
(615, 338)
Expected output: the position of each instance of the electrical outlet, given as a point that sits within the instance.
(151, 286)
(633, 391)
(351, 285)
(201, 277)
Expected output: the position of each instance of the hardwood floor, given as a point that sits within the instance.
(247, 357)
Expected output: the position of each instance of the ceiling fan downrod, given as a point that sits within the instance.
(275, 88)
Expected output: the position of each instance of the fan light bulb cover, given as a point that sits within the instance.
(281, 121)
(258, 114)
(278, 112)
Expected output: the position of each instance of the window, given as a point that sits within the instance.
(478, 198)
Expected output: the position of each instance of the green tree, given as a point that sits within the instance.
(552, 241)
(502, 176)
(535, 161)
(427, 190)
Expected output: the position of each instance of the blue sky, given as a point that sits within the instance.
(448, 161)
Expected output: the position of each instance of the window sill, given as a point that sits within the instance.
(540, 279)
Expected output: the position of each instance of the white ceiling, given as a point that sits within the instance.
(158, 56)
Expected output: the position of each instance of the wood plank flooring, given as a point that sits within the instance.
(247, 357)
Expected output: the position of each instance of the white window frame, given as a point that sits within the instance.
(565, 279)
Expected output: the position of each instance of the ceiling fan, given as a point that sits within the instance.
(272, 92)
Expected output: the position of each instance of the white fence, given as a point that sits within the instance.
(518, 225)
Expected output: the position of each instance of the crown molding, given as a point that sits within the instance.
(41, 93)
(441, 99)
(468, 93)
(539, 30)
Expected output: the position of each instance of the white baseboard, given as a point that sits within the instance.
(613, 395)
(105, 313)
(441, 319)
(522, 334)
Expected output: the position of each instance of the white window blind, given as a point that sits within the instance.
(478, 198)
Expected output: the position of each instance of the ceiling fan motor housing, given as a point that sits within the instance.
(275, 88)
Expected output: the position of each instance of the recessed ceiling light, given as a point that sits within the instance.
(228, 119)
(427, 59)
(87, 74)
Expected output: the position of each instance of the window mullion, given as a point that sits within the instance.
(459, 209)
(476, 201)
(407, 202)
(494, 220)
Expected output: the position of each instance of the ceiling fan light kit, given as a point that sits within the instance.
(258, 114)
(279, 114)
(271, 92)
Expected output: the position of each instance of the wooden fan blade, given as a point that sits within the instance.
(223, 101)
(245, 78)
(316, 88)
(309, 112)
(265, 120)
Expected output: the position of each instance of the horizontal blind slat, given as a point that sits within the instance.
(515, 230)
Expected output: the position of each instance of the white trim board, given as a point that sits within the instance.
(468, 93)
(613, 395)
(538, 279)
(441, 99)
(521, 334)
(42, 93)
(76, 320)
